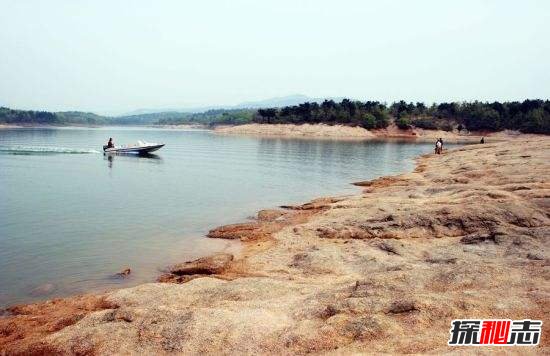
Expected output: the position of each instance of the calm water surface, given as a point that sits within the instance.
(71, 217)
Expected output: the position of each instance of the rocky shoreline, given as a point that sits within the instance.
(466, 235)
(358, 133)
(331, 132)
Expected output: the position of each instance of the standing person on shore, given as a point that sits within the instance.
(482, 140)
(438, 147)
(441, 141)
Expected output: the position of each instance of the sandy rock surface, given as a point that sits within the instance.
(466, 235)
(290, 130)
(359, 133)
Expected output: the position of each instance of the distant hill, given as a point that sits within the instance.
(210, 117)
(277, 102)
(29, 117)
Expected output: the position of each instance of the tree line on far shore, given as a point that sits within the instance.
(529, 116)
(209, 117)
(29, 117)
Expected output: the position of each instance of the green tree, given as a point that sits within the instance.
(403, 123)
(369, 121)
(382, 118)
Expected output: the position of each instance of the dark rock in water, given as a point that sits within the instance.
(43, 290)
(123, 274)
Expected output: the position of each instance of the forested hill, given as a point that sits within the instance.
(210, 117)
(529, 116)
(27, 117)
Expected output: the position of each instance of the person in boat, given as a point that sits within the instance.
(110, 144)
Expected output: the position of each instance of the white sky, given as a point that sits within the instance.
(115, 56)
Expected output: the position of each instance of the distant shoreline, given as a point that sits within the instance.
(359, 133)
(37, 126)
(9, 126)
(323, 131)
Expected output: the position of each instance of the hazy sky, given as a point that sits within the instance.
(115, 56)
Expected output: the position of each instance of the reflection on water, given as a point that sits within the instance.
(144, 157)
(67, 224)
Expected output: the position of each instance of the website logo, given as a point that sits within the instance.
(501, 332)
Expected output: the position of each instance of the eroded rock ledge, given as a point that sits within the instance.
(271, 221)
(267, 223)
(205, 266)
(466, 235)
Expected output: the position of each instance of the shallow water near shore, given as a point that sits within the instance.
(71, 217)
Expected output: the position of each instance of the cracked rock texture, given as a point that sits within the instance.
(466, 235)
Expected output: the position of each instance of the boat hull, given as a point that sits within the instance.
(133, 150)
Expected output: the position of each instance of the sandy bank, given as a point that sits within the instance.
(466, 235)
(288, 130)
(7, 126)
(391, 132)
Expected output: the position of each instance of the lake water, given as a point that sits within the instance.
(71, 217)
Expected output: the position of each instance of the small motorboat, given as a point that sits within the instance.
(140, 148)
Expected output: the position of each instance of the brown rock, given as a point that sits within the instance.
(389, 248)
(270, 214)
(441, 260)
(316, 204)
(203, 266)
(402, 306)
(346, 232)
(477, 238)
(271, 221)
(535, 256)
(23, 331)
(381, 182)
(243, 231)
(124, 273)
(173, 278)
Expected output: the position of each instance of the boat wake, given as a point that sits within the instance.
(37, 150)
